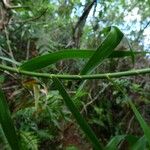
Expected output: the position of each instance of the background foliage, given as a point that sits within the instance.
(41, 118)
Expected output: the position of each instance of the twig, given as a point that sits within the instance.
(95, 8)
(28, 50)
(128, 129)
(129, 125)
(94, 99)
(36, 17)
(9, 47)
(78, 29)
(141, 31)
(4, 19)
(10, 87)
(31, 19)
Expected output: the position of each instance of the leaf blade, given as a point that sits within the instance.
(7, 124)
(48, 59)
(80, 120)
(104, 50)
(113, 143)
(142, 122)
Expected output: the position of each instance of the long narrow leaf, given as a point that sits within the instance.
(104, 51)
(143, 124)
(48, 59)
(80, 120)
(140, 144)
(114, 142)
(7, 124)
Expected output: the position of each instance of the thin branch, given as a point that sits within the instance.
(28, 50)
(93, 99)
(32, 19)
(9, 46)
(129, 124)
(36, 17)
(95, 8)
(141, 32)
(78, 29)
(4, 18)
(77, 77)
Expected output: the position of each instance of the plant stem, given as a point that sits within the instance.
(9, 46)
(77, 77)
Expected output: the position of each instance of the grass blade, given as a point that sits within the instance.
(143, 124)
(114, 142)
(7, 124)
(80, 120)
(48, 59)
(145, 127)
(140, 144)
(104, 50)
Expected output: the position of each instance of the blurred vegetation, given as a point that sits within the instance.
(35, 28)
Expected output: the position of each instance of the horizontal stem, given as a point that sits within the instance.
(77, 77)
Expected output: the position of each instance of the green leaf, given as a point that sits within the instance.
(48, 59)
(140, 144)
(28, 141)
(143, 124)
(131, 139)
(80, 120)
(114, 142)
(141, 121)
(104, 50)
(7, 124)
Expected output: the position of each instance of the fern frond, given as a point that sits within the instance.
(28, 141)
